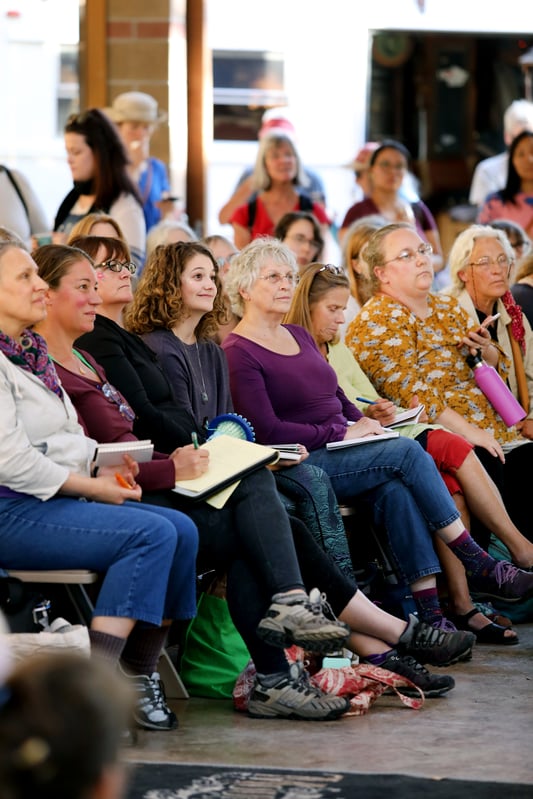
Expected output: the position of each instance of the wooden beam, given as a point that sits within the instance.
(198, 104)
(93, 54)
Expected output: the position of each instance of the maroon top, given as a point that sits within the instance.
(102, 420)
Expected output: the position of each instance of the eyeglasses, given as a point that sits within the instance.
(389, 165)
(114, 396)
(502, 262)
(408, 256)
(301, 239)
(335, 270)
(221, 262)
(275, 278)
(117, 266)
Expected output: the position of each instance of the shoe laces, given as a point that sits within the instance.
(319, 606)
(505, 572)
(445, 625)
(151, 690)
(300, 681)
(413, 664)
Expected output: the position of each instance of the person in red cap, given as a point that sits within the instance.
(274, 120)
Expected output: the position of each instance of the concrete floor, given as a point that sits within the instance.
(482, 730)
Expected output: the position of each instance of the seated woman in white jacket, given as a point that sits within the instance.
(46, 475)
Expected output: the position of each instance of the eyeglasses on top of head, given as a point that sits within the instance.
(274, 278)
(502, 261)
(117, 266)
(335, 270)
(227, 259)
(408, 256)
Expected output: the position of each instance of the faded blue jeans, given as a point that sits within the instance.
(408, 495)
(148, 554)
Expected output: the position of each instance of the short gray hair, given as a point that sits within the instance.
(245, 267)
(463, 245)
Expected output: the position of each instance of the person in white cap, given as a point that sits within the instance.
(490, 175)
(137, 115)
(274, 120)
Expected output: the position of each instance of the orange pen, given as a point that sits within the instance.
(121, 481)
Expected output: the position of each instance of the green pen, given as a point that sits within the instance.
(194, 439)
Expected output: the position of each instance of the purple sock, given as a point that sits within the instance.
(428, 604)
(377, 660)
(477, 562)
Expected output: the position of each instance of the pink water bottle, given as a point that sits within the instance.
(498, 394)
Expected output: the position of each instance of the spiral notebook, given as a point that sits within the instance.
(353, 442)
(230, 459)
(111, 454)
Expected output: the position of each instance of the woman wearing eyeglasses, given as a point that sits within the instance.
(481, 262)
(317, 306)
(388, 166)
(408, 340)
(281, 382)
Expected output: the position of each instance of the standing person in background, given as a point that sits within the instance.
(490, 174)
(99, 165)
(515, 201)
(20, 208)
(274, 121)
(137, 116)
(388, 167)
(278, 178)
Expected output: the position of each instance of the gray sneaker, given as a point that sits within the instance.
(293, 697)
(306, 621)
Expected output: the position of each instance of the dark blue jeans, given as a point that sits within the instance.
(406, 490)
(148, 554)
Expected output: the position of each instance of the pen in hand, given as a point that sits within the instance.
(364, 399)
(194, 439)
(122, 481)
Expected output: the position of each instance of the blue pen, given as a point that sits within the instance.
(364, 399)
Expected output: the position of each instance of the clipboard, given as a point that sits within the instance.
(230, 459)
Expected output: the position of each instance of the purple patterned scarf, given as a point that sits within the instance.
(32, 356)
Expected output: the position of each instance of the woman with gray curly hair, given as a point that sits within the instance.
(281, 382)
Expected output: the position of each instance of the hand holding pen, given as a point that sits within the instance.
(380, 409)
(480, 339)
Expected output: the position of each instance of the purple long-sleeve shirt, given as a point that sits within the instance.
(288, 398)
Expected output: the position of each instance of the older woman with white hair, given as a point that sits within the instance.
(481, 260)
(278, 177)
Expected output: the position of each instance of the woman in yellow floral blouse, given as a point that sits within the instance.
(410, 341)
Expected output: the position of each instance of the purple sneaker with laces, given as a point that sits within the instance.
(506, 582)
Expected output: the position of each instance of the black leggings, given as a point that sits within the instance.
(262, 550)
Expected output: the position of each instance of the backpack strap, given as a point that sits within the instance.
(305, 202)
(15, 185)
(252, 210)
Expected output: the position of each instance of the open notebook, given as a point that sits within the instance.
(230, 459)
